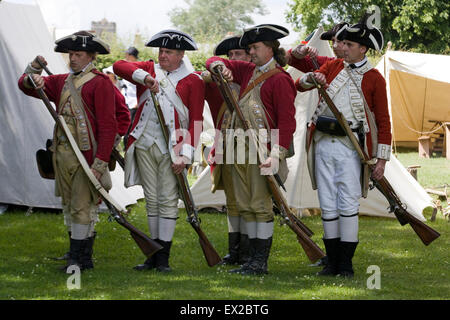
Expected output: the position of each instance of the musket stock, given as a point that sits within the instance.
(425, 233)
(303, 233)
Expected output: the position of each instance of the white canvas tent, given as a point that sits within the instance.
(25, 123)
(419, 91)
(300, 194)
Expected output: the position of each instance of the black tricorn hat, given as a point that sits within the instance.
(263, 32)
(81, 41)
(328, 35)
(172, 39)
(363, 33)
(227, 44)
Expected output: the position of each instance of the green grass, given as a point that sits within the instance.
(409, 270)
(434, 173)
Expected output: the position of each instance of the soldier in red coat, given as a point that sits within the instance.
(301, 56)
(268, 107)
(85, 98)
(359, 92)
(148, 159)
(221, 176)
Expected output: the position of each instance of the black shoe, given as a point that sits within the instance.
(332, 249)
(345, 267)
(86, 253)
(232, 257)
(76, 247)
(258, 264)
(244, 247)
(162, 256)
(322, 262)
(149, 264)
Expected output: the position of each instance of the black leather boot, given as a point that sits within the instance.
(345, 266)
(244, 248)
(87, 251)
(233, 249)
(162, 256)
(76, 247)
(252, 247)
(258, 264)
(332, 248)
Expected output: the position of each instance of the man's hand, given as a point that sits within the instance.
(378, 171)
(35, 64)
(179, 165)
(97, 174)
(226, 73)
(152, 84)
(38, 81)
(320, 78)
(266, 166)
(302, 51)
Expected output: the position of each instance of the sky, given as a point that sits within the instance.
(147, 16)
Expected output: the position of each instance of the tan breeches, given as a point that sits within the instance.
(79, 199)
(228, 188)
(253, 198)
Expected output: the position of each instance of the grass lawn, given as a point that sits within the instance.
(408, 269)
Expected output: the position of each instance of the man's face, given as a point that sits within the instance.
(170, 59)
(338, 47)
(239, 54)
(260, 53)
(353, 51)
(112, 77)
(79, 59)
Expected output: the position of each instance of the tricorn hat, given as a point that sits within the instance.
(227, 44)
(328, 35)
(263, 32)
(172, 39)
(362, 33)
(81, 41)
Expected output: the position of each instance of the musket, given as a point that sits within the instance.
(425, 233)
(115, 154)
(210, 253)
(303, 233)
(147, 245)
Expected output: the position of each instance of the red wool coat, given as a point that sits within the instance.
(277, 94)
(306, 65)
(98, 94)
(191, 90)
(373, 87)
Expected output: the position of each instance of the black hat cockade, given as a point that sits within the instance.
(263, 32)
(172, 39)
(227, 44)
(81, 41)
(328, 35)
(363, 33)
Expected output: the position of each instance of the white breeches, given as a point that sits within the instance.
(338, 171)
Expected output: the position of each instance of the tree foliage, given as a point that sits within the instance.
(212, 19)
(414, 25)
